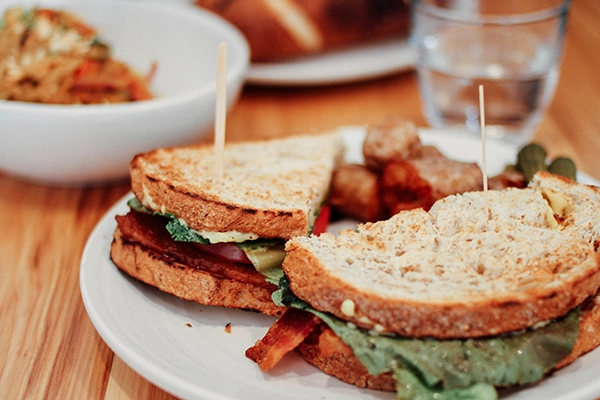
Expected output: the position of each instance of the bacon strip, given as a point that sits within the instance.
(149, 231)
(283, 336)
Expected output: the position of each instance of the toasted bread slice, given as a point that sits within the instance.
(457, 271)
(190, 283)
(272, 189)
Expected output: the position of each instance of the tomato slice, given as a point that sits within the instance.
(322, 221)
(230, 252)
(227, 251)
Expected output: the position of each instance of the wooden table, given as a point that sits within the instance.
(48, 346)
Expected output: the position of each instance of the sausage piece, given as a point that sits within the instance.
(355, 193)
(407, 184)
(392, 140)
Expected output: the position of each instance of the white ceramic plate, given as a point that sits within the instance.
(184, 347)
(347, 65)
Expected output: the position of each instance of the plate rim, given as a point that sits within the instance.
(337, 66)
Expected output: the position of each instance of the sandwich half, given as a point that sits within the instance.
(487, 290)
(220, 240)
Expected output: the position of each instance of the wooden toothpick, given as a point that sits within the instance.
(483, 149)
(221, 110)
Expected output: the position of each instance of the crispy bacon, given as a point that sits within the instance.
(283, 336)
(150, 232)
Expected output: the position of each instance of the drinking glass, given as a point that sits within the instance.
(511, 47)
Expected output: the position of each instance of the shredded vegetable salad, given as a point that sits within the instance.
(49, 56)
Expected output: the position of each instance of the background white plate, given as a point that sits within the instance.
(183, 347)
(345, 65)
(341, 66)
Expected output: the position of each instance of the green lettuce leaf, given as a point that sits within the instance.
(453, 369)
(409, 387)
(178, 229)
(266, 256)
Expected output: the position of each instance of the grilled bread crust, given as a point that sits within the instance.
(278, 29)
(589, 331)
(346, 368)
(272, 189)
(190, 283)
(456, 272)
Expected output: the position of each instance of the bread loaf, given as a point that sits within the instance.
(280, 29)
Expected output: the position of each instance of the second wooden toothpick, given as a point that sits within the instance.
(483, 148)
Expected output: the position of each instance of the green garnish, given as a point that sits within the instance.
(177, 228)
(563, 166)
(532, 158)
(453, 369)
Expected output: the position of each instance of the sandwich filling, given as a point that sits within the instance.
(265, 255)
(149, 232)
(429, 368)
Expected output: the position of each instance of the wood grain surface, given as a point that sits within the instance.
(48, 346)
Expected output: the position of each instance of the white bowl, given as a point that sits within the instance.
(91, 144)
